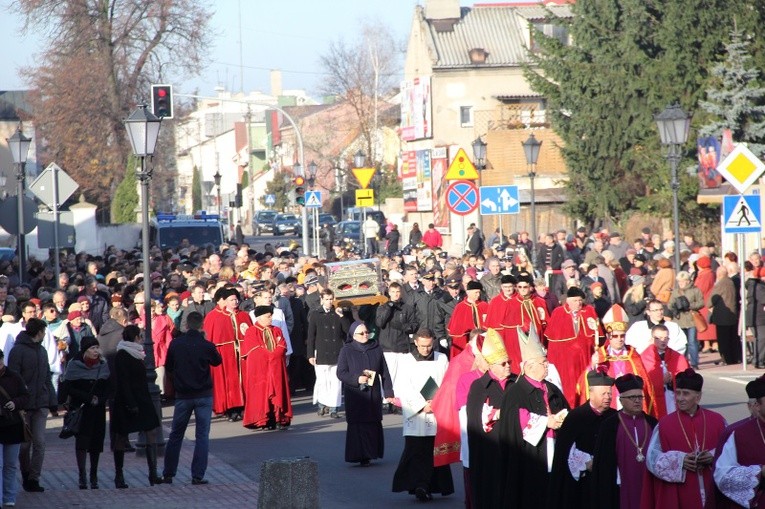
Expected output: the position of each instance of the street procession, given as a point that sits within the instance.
(496, 255)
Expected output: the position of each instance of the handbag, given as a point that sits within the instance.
(72, 422)
(11, 417)
(699, 321)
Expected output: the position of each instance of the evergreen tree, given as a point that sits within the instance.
(735, 98)
(281, 188)
(125, 200)
(196, 191)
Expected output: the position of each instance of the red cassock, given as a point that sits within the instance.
(264, 377)
(499, 318)
(675, 363)
(447, 443)
(225, 330)
(679, 431)
(570, 348)
(524, 312)
(465, 318)
(617, 365)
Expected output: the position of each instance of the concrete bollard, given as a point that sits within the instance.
(289, 483)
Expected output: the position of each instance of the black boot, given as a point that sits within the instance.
(151, 461)
(94, 470)
(119, 478)
(81, 455)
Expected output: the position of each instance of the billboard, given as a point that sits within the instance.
(416, 109)
(409, 180)
(439, 164)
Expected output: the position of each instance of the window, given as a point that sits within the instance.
(466, 116)
(559, 32)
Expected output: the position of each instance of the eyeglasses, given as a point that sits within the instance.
(632, 398)
(504, 364)
(365, 333)
(655, 310)
(617, 336)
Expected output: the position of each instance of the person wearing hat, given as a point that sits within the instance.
(312, 297)
(559, 285)
(86, 385)
(422, 373)
(738, 468)
(617, 245)
(617, 359)
(264, 374)
(680, 451)
(452, 295)
(662, 364)
(428, 311)
(618, 464)
(571, 335)
(639, 333)
(484, 399)
(499, 316)
(532, 411)
(366, 384)
(597, 299)
(469, 314)
(226, 326)
(575, 443)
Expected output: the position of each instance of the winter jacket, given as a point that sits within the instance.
(755, 303)
(429, 313)
(396, 322)
(30, 360)
(327, 333)
(203, 308)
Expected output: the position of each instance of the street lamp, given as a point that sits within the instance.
(143, 129)
(531, 148)
(479, 159)
(19, 145)
(359, 161)
(216, 178)
(340, 184)
(674, 125)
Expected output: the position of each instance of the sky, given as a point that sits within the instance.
(285, 34)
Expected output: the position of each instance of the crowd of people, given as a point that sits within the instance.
(483, 354)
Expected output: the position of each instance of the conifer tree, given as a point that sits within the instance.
(196, 191)
(125, 200)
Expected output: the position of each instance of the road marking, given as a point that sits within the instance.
(742, 382)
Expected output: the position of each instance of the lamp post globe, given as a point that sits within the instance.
(359, 159)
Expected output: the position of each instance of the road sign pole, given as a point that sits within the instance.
(743, 305)
(363, 222)
(56, 219)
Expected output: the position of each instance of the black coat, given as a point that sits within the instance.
(485, 459)
(395, 321)
(17, 390)
(203, 308)
(109, 337)
(580, 428)
(30, 360)
(524, 466)
(363, 405)
(132, 393)
(300, 327)
(93, 425)
(429, 313)
(326, 336)
(393, 238)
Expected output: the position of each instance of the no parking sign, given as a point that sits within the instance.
(462, 197)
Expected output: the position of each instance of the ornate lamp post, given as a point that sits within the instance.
(479, 160)
(359, 161)
(143, 129)
(19, 145)
(531, 148)
(674, 125)
(217, 178)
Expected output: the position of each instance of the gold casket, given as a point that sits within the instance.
(357, 281)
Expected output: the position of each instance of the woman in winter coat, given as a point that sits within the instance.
(686, 298)
(362, 369)
(415, 236)
(635, 299)
(705, 281)
(86, 385)
(162, 327)
(13, 397)
(664, 281)
(133, 409)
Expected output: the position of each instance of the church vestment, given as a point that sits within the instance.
(656, 365)
(226, 330)
(447, 441)
(465, 318)
(737, 469)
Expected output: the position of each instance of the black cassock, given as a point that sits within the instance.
(604, 466)
(485, 459)
(581, 429)
(524, 466)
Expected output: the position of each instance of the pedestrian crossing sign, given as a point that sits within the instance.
(742, 214)
(313, 199)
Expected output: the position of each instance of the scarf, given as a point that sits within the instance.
(174, 315)
(77, 370)
(134, 349)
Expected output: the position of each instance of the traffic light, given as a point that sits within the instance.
(162, 101)
(299, 190)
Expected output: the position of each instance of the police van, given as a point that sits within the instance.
(169, 231)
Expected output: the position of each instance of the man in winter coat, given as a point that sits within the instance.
(29, 359)
(197, 304)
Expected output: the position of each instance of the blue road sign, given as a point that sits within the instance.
(462, 197)
(742, 214)
(270, 199)
(313, 199)
(499, 200)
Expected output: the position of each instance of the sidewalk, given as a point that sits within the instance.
(228, 487)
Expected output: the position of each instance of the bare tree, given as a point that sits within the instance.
(361, 73)
(100, 58)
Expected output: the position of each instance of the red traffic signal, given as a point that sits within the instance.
(162, 101)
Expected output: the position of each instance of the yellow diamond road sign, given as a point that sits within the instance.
(364, 176)
(741, 168)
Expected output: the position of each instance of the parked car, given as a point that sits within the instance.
(324, 218)
(286, 223)
(263, 222)
(349, 232)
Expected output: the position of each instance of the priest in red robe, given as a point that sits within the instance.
(738, 468)
(264, 374)
(526, 308)
(681, 451)
(618, 464)
(571, 334)
(617, 359)
(498, 317)
(225, 326)
(662, 364)
(469, 314)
